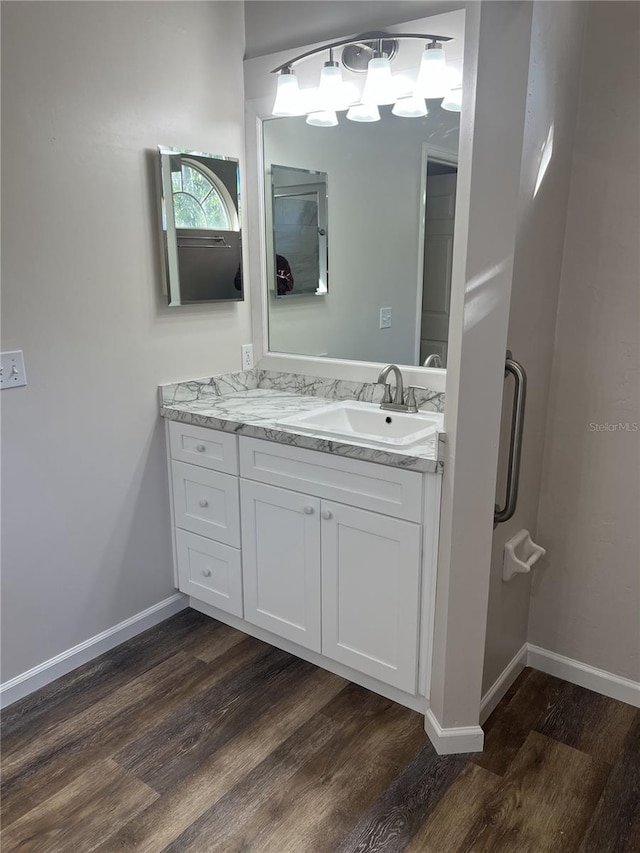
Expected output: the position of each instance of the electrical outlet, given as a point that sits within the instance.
(12, 373)
(385, 318)
(247, 356)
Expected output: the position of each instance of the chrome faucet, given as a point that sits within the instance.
(397, 404)
(433, 360)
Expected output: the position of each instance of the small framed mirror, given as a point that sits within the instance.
(300, 232)
(200, 222)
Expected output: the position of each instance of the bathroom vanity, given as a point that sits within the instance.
(324, 548)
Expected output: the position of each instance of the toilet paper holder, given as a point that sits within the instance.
(520, 553)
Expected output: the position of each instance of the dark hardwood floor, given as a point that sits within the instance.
(195, 737)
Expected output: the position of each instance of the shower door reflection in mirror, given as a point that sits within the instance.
(299, 232)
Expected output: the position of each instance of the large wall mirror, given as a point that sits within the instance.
(390, 209)
(200, 222)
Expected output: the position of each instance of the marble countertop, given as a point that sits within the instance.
(230, 403)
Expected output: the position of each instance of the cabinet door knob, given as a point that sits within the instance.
(203, 502)
(327, 514)
(200, 448)
(206, 573)
(308, 510)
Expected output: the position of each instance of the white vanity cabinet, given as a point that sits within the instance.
(330, 557)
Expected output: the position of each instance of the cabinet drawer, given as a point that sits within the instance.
(210, 571)
(380, 488)
(208, 448)
(206, 502)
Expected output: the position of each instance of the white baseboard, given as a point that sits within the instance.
(504, 681)
(598, 680)
(25, 683)
(453, 741)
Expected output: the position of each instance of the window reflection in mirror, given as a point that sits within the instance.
(200, 219)
(391, 209)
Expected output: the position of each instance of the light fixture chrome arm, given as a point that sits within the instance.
(365, 39)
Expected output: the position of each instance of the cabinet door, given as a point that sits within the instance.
(210, 571)
(281, 562)
(370, 593)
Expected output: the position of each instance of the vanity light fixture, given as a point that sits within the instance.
(453, 100)
(363, 112)
(323, 118)
(433, 78)
(378, 87)
(288, 101)
(331, 93)
(410, 107)
(372, 52)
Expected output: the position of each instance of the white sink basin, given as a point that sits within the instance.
(367, 422)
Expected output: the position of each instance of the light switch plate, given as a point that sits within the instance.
(385, 318)
(12, 373)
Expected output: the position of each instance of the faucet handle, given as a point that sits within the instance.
(411, 399)
(386, 397)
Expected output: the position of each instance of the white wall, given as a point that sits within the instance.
(273, 25)
(554, 74)
(375, 217)
(586, 596)
(496, 70)
(88, 89)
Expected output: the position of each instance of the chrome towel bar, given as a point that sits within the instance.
(515, 440)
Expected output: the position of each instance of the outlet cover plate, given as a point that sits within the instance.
(385, 318)
(247, 356)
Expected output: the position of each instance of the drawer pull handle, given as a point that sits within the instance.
(327, 514)
(308, 510)
(206, 573)
(200, 448)
(203, 502)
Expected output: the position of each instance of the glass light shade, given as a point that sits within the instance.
(323, 118)
(351, 95)
(308, 101)
(331, 94)
(364, 112)
(433, 78)
(287, 101)
(453, 100)
(410, 107)
(379, 87)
